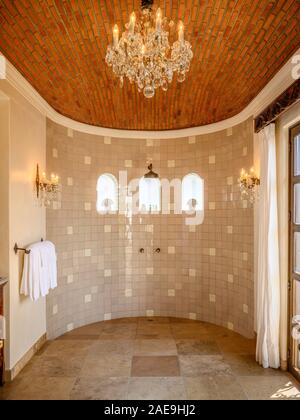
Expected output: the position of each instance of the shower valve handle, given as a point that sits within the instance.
(158, 250)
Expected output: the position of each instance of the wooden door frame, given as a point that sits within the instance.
(293, 132)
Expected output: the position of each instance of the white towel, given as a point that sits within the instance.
(49, 262)
(40, 270)
(2, 328)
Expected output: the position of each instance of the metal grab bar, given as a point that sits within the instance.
(27, 252)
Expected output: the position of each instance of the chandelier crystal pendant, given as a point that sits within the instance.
(144, 55)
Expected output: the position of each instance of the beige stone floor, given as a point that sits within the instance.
(143, 358)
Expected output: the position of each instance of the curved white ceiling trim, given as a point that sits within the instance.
(274, 88)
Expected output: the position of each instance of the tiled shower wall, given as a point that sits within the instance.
(203, 272)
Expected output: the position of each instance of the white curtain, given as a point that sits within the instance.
(267, 265)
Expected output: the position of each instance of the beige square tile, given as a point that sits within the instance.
(107, 228)
(149, 143)
(212, 205)
(229, 132)
(40, 389)
(70, 279)
(161, 347)
(212, 298)
(212, 252)
(112, 346)
(230, 230)
(70, 326)
(214, 388)
(144, 366)
(87, 298)
(203, 365)
(87, 206)
(230, 326)
(70, 133)
(87, 252)
(156, 389)
(128, 292)
(197, 347)
(230, 278)
(108, 365)
(245, 309)
(88, 389)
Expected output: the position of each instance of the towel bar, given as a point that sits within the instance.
(16, 248)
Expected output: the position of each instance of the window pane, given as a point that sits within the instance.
(192, 193)
(297, 204)
(149, 194)
(296, 324)
(107, 193)
(297, 253)
(297, 155)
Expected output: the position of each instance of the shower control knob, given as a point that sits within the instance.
(142, 251)
(158, 250)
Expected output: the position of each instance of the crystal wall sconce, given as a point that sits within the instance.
(46, 189)
(249, 184)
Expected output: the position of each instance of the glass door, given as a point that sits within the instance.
(295, 251)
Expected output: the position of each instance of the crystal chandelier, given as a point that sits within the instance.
(144, 55)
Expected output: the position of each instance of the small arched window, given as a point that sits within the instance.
(107, 194)
(193, 193)
(149, 195)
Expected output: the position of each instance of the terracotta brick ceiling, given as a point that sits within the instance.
(59, 46)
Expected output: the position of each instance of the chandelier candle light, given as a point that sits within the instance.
(144, 55)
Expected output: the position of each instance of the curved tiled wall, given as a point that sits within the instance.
(203, 272)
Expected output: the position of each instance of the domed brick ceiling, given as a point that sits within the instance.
(59, 46)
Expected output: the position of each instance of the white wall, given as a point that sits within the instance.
(26, 219)
(4, 184)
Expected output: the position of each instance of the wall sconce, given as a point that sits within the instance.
(46, 190)
(248, 185)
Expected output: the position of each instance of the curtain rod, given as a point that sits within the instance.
(288, 98)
